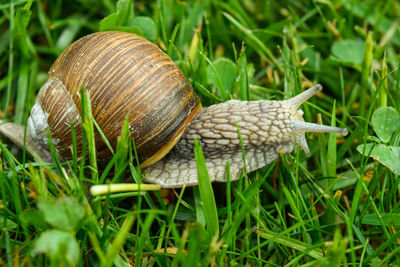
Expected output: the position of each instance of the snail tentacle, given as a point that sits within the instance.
(307, 127)
(299, 99)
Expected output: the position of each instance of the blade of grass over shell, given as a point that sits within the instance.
(206, 193)
(74, 148)
(54, 154)
(88, 128)
(106, 171)
(103, 137)
(133, 157)
(122, 151)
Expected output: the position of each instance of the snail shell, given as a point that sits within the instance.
(123, 73)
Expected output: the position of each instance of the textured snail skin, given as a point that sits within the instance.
(267, 128)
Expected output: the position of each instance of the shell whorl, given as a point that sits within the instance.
(267, 128)
(123, 73)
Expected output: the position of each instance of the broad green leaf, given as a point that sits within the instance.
(64, 213)
(146, 25)
(387, 218)
(59, 246)
(385, 121)
(120, 18)
(7, 224)
(389, 156)
(108, 22)
(34, 218)
(349, 51)
(222, 74)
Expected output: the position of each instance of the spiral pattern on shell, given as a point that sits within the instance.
(123, 73)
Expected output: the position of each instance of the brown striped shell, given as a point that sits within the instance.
(123, 73)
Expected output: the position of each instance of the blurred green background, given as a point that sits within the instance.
(339, 207)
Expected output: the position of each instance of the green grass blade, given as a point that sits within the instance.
(292, 243)
(332, 157)
(88, 128)
(206, 192)
(366, 70)
(54, 154)
(118, 242)
(258, 45)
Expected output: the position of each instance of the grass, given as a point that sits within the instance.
(341, 206)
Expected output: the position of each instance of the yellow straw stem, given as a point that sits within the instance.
(103, 189)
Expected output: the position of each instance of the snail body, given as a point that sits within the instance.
(125, 74)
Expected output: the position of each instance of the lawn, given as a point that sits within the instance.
(339, 206)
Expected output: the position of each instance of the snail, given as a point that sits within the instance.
(126, 74)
